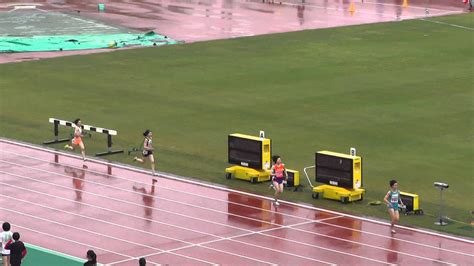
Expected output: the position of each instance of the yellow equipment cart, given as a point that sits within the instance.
(342, 175)
(250, 156)
(412, 203)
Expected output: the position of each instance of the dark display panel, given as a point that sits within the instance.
(333, 162)
(408, 201)
(291, 179)
(333, 170)
(245, 152)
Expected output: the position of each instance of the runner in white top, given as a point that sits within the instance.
(147, 151)
(6, 237)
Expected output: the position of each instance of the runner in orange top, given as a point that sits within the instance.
(279, 175)
(77, 140)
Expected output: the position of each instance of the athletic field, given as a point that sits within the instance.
(401, 92)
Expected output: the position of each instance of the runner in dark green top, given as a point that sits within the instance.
(392, 199)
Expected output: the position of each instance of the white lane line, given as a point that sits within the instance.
(372, 246)
(221, 188)
(260, 232)
(69, 240)
(19, 4)
(138, 217)
(409, 6)
(238, 228)
(188, 244)
(99, 234)
(202, 244)
(447, 24)
(129, 242)
(181, 191)
(343, 9)
(139, 193)
(150, 220)
(289, 240)
(100, 220)
(142, 183)
(379, 14)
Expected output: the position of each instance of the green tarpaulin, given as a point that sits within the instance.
(80, 42)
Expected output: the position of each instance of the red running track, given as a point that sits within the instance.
(59, 204)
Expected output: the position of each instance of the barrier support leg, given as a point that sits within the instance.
(109, 148)
(56, 135)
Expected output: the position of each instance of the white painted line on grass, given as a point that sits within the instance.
(447, 24)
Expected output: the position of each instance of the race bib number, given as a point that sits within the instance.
(394, 199)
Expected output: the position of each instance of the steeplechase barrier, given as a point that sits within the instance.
(110, 132)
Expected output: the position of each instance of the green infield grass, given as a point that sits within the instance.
(401, 93)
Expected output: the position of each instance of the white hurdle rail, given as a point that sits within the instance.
(110, 132)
